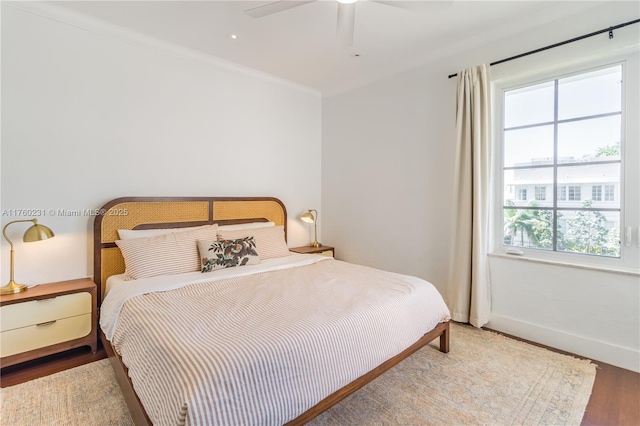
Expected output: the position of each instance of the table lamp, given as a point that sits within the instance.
(309, 218)
(36, 232)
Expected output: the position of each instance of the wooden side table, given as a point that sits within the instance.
(323, 250)
(47, 319)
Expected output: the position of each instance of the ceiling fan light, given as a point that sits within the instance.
(347, 1)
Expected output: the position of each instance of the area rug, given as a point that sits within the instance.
(486, 379)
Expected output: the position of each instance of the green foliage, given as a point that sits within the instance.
(537, 225)
(609, 150)
(587, 233)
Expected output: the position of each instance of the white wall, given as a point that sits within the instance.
(387, 178)
(88, 117)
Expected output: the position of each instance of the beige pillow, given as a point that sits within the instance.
(269, 241)
(242, 226)
(168, 254)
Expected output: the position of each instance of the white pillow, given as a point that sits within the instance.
(242, 226)
(128, 234)
(269, 241)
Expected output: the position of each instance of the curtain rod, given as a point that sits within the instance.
(604, 30)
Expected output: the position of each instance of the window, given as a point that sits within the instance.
(608, 193)
(522, 194)
(596, 192)
(562, 193)
(574, 193)
(564, 133)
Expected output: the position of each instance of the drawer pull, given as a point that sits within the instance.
(47, 299)
(46, 323)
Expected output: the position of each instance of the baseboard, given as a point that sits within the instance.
(596, 350)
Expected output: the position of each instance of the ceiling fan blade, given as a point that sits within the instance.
(418, 6)
(346, 25)
(275, 7)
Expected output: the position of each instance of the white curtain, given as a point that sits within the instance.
(469, 289)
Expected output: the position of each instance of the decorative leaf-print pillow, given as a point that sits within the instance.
(227, 253)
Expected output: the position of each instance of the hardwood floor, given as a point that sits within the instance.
(615, 400)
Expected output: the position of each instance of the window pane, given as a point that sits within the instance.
(596, 92)
(578, 184)
(527, 187)
(529, 146)
(529, 105)
(528, 228)
(591, 232)
(589, 140)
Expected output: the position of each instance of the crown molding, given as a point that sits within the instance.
(61, 14)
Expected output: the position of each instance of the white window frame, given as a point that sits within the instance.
(629, 260)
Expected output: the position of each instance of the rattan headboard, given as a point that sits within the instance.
(170, 212)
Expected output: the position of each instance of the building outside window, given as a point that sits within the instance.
(565, 134)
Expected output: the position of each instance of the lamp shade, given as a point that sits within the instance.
(308, 217)
(37, 233)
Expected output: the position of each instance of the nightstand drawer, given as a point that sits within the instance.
(26, 314)
(328, 253)
(45, 334)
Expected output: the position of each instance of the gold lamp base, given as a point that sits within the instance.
(315, 244)
(12, 287)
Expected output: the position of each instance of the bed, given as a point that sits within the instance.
(276, 340)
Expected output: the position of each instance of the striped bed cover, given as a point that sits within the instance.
(262, 348)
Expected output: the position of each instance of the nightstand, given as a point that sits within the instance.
(47, 319)
(323, 250)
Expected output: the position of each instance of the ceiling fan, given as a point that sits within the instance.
(346, 13)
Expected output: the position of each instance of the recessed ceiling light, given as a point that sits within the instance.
(232, 36)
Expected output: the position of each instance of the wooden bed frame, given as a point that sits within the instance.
(179, 212)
